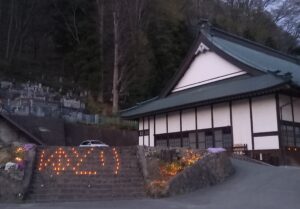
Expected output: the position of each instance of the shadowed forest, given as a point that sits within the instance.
(124, 51)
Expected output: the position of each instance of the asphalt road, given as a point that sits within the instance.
(252, 187)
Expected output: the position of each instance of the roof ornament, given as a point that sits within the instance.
(204, 23)
(286, 76)
(201, 49)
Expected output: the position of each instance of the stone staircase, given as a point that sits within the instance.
(81, 174)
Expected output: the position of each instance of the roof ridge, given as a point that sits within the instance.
(274, 52)
(138, 104)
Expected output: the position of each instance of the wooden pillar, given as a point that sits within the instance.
(251, 123)
(196, 127)
(180, 119)
(154, 130)
(293, 118)
(143, 131)
(231, 124)
(167, 127)
(212, 124)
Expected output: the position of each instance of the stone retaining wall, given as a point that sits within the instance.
(211, 170)
(15, 183)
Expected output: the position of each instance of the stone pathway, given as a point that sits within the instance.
(253, 186)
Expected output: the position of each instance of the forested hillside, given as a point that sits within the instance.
(124, 51)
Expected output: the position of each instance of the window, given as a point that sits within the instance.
(192, 140)
(176, 142)
(201, 140)
(161, 143)
(144, 132)
(209, 139)
(287, 135)
(219, 137)
(227, 137)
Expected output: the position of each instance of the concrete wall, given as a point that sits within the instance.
(9, 134)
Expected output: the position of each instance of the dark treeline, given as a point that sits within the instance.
(124, 51)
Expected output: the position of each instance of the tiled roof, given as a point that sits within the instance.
(201, 94)
(257, 56)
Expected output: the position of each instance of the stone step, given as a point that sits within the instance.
(67, 186)
(74, 198)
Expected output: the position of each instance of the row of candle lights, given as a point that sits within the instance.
(117, 160)
(64, 162)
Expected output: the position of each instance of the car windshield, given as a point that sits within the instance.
(97, 142)
(85, 143)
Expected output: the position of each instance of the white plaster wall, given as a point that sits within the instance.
(160, 122)
(221, 114)
(206, 68)
(296, 103)
(151, 132)
(204, 117)
(140, 140)
(174, 122)
(241, 123)
(146, 140)
(266, 142)
(286, 108)
(188, 120)
(264, 114)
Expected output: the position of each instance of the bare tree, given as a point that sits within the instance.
(10, 27)
(100, 26)
(70, 23)
(115, 88)
(127, 22)
(287, 14)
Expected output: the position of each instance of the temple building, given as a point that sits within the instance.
(229, 91)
